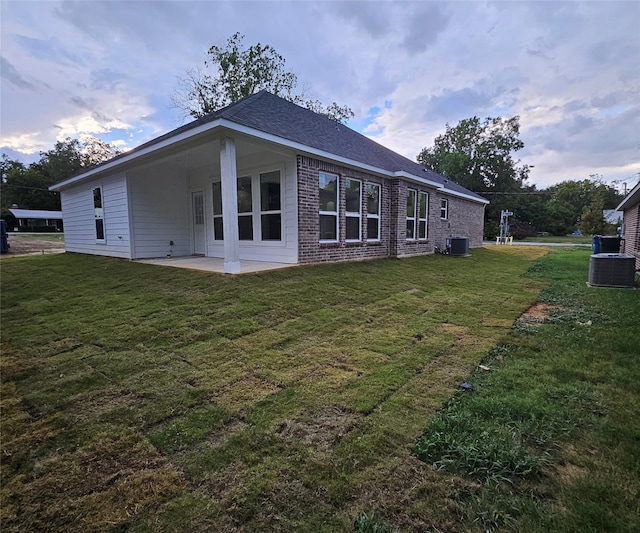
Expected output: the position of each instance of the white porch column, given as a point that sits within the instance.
(229, 205)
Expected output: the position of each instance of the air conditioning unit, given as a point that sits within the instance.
(458, 246)
(612, 270)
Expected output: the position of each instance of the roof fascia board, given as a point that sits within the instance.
(465, 196)
(413, 177)
(630, 198)
(136, 154)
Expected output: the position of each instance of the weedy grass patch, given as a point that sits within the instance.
(549, 438)
(281, 401)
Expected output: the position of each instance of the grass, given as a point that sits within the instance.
(566, 239)
(146, 398)
(549, 439)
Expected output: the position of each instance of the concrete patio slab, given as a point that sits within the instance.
(214, 264)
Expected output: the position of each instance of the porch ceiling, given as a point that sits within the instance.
(194, 158)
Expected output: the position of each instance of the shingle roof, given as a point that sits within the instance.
(278, 117)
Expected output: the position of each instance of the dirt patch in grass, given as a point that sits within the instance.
(322, 429)
(538, 312)
(19, 245)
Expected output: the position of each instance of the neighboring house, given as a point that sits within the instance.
(36, 220)
(630, 207)
(264, 179)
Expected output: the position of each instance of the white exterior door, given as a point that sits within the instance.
(197, 210)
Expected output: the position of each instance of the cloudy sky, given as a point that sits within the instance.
(570, 70)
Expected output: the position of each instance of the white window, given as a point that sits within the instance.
(423, 211)
(411, 215)
(259, 207)
(373, 212)
(98, 213)
(353, 209)
(444, 208)
(270, 206)
(217, 211)
(328, 195)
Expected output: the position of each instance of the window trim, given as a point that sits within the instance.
(353, 214)
(99, 216)
(414, 217)
(444, 208)
(335, 214)
(425, 219)
(260, 213)
(375, 216)
(256, 212)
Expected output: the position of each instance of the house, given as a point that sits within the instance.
(36, 220)
(630, 207)
(265, 180)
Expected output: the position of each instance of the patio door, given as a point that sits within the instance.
(197, 210)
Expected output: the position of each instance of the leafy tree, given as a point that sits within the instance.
(592, 221)
(569, 199)
(28, 187)
(478, 154)
(238, 72)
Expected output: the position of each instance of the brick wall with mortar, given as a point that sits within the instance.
(465, 217)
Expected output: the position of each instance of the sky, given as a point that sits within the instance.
(569, 70)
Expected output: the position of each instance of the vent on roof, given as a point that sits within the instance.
(611, 270)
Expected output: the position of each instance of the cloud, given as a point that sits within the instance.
(9, 73)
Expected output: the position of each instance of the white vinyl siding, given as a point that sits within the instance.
(160, 214)
(79, 218)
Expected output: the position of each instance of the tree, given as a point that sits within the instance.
(238, 72)
(478, 155)
(592, 220)
(28, 187)
(569, 199)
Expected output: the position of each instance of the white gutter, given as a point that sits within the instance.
(224, 123)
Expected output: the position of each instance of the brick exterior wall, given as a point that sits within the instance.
(631, 243)
(466, 218)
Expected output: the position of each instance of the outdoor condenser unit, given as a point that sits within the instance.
(459, 246)
(611, 270)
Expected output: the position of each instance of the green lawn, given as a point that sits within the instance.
(147, 398)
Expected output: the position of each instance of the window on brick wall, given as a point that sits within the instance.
(411, 215)
(353, 209)
(328, 188)
(444, 208)
(423, 210)
(373, 212)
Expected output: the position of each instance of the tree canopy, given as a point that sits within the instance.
(234, 72)
(478, 154)
(28, 187)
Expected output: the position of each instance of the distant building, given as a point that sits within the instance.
(36, 220)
